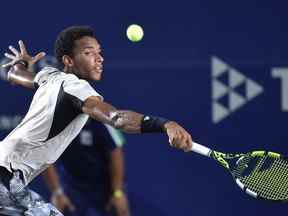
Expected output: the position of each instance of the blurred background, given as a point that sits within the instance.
(220, 68)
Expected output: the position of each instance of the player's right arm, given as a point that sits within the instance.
(133, 122)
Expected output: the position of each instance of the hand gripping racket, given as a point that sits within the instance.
(260, 174)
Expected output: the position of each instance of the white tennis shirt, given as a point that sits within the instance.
(53, 120)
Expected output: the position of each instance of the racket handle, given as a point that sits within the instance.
(200, 149)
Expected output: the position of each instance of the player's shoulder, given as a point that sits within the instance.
(71, 80)
(66, 78)
(79, 88)
(70, 77)
(44, 74)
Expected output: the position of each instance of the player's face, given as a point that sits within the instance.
(87, 60)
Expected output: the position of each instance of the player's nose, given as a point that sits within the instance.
(100, 58)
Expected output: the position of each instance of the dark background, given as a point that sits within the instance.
(168, 73)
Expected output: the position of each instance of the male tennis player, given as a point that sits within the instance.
(61, 105)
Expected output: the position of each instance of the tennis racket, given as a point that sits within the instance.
(261, 174)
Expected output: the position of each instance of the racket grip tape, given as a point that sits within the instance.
(200, 149)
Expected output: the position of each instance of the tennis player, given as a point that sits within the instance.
(62, 103)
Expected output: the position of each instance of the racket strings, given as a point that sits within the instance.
(240, 167)
(270, 182)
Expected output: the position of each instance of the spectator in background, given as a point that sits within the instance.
(89, 179)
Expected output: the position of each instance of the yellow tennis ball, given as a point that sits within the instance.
(135, 33)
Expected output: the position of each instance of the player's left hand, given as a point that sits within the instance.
(120, 205)
(22, 55)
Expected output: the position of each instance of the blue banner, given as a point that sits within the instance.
(219, 68)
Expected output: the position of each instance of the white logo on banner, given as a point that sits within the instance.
(235, 99)
(9, 122)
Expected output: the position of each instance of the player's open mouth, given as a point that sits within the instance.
(99, 69)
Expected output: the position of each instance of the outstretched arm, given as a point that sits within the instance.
(19, 64)
(133, 122)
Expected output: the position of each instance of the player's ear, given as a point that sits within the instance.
(67, 61)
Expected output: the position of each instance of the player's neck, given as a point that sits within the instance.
(69, 70)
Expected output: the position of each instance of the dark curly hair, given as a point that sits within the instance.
(64, 43)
